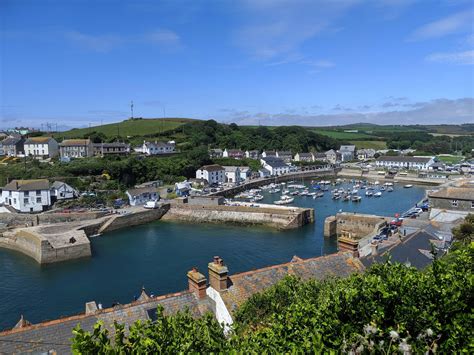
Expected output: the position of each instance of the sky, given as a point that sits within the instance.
(272, 62)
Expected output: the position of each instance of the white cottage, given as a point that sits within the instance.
(27, 195)
(41, 147)
(62, 191)
(405, 162)
(214, 174)
(140, 196)
(232, 174)
(276, 166)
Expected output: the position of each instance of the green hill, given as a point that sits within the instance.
(131, 127)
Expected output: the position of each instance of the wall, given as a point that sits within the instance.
(134, 219)
(359, 225)
(21, 219)
(446, 204)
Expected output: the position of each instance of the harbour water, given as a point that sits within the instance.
(158, 255)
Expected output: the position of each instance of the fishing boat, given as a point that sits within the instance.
(382, 188)
(285, 200)
(354, 191)
(320, 194)
(369, 193)
(256, 198)
(356, 198)
(378, 194)
(390, 189)
(407, 186)
(346, 198)
(336, 197)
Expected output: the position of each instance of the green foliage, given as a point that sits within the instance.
(465, 232)
(390, 308)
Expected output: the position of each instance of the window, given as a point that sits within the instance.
(38, 192)
(25, 201)
(454, 203)
(27, 193)
(472, 204)
(38, 199)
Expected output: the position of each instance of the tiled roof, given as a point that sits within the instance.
(274, 162)
(231, 169)
(39, 140)
(27, 185)
(249, 283)
(11, 141)
(213, 167)
(57, 334)
(142, 190)
(111, 145)
(347, 148)
(458, 193)
(75, 142)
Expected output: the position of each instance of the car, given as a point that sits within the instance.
(169, 190)
(397, 222)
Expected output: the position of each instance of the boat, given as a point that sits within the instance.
(354, 191)
(294, 193)
(320, 194)
(378, 194)
(356, 198)
(285, 200)
(346, 198)
(390, 189)
(285, 191)
(256, 198)
(336, 197)
(407, 186)
(369, 193)
(382, 188)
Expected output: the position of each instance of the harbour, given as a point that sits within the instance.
(152, 255)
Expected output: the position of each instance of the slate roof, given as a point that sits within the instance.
(307, 155)
(458, 193)
(27, 185)
(39, 140)
(405, 159)
(274, 162)
(74, 142)
(213, 167)
(11, 141)
(347, 148)
(231, 169)
(246, 284)
(112, 145)
(142, 190)
(283, 153)
(57, 334)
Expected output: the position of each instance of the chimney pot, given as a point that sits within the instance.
(197, 283)
(218, 274)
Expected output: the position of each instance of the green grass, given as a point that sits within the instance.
(370, 144)
(342, 135)
(450, 159)
(137, 127)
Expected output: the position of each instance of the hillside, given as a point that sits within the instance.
(135, 127)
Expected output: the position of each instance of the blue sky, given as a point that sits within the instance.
(315, 62)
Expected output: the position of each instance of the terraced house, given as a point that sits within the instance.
(27, 195)
(41, 147)
(76, 148)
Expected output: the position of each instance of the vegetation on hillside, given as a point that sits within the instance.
(391, 308)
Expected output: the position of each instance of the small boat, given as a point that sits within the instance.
(378, 194)
(256, 198)
(369, 193)
(336, 197)
(382, 188)
(376, 183)
(285, 200)
(390, 189)
(346, 198)
(407, 186)
(294, 193)
(354, 191)
(274, 191)
(95, 235)
(356, 198)
(320, 194)
(285, 191)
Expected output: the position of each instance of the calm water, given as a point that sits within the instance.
(159, 254)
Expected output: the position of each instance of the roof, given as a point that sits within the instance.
(11, 141)
(331, 151)
(319, 155)
(57, 184)
(458, 193)
(75, 142)
(308, 154)
(274, 162)
(234, 151)
(27, 185)
(213, 167)
(231, 169)
(347, 148)
(405, 159)
(41, 337)
(269, 152)
(246, 284)
(216, 150)
(283, 153)
(142, 190)
(39, 140)
(160, 144)
(111, 145)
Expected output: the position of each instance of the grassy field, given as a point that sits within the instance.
(450, 159)
(137, 127)
(370, 144)
(341, 135)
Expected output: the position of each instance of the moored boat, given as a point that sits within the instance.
(285, 200)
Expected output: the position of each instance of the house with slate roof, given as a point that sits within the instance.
(27, 195)
(276, 166)
(252, 154)
(347, 152)
(41, 147)
(306, 157)
(405, 162)
(62, 191)
(76, 148)
(286, 156)
(221, 294)
(115, 148)
(141, 195)
(214, 174)
(13, 146)
(233, 153)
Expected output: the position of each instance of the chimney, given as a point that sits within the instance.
(374, 248)
(218, 274)
(197, 283)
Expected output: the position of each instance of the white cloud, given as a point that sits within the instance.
(466, 57)
(459, 22)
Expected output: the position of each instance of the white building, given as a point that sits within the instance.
(156, 148)
(13, 146)
(347, 152)
(252, 154)
(214, 174)
(332, 156)
(245, 173)
(27, 195)
(41, 147)
(307, 157)
(275, 166)
(363, 154)
(286, 156)
(76, 148)
(62, 191)
(140, 196)
(232, 174)
(405, 162)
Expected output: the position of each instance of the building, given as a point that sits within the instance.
(320, 157)
(405, 162)
(268, 153)
(232, 174)
(276, 166)
(286, 156)
(347, 152)
(142, 195)
(41, 147)
(116, 148)
(453, 198)
(264, 173)
(215, 153)
(27, 195)
(157, 148)
(76, 148)
(214, 174)
(62, 191)
(220, 293)
(13, 146)
(183, 188)
(332, 156)
(245, 173)
(233, 153)
(252, 154)
(306, 157)
(364, 154)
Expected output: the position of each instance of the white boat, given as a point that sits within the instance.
(376, 182)
(377, 194)
(356, 198)
(274, 191)
(390, 189)
(354, 191)
(285, 191)
(320, 194)
(388, 184)
(382, 188)
(256, 198)
(285, 200)
(369, 193)
(407, 186)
